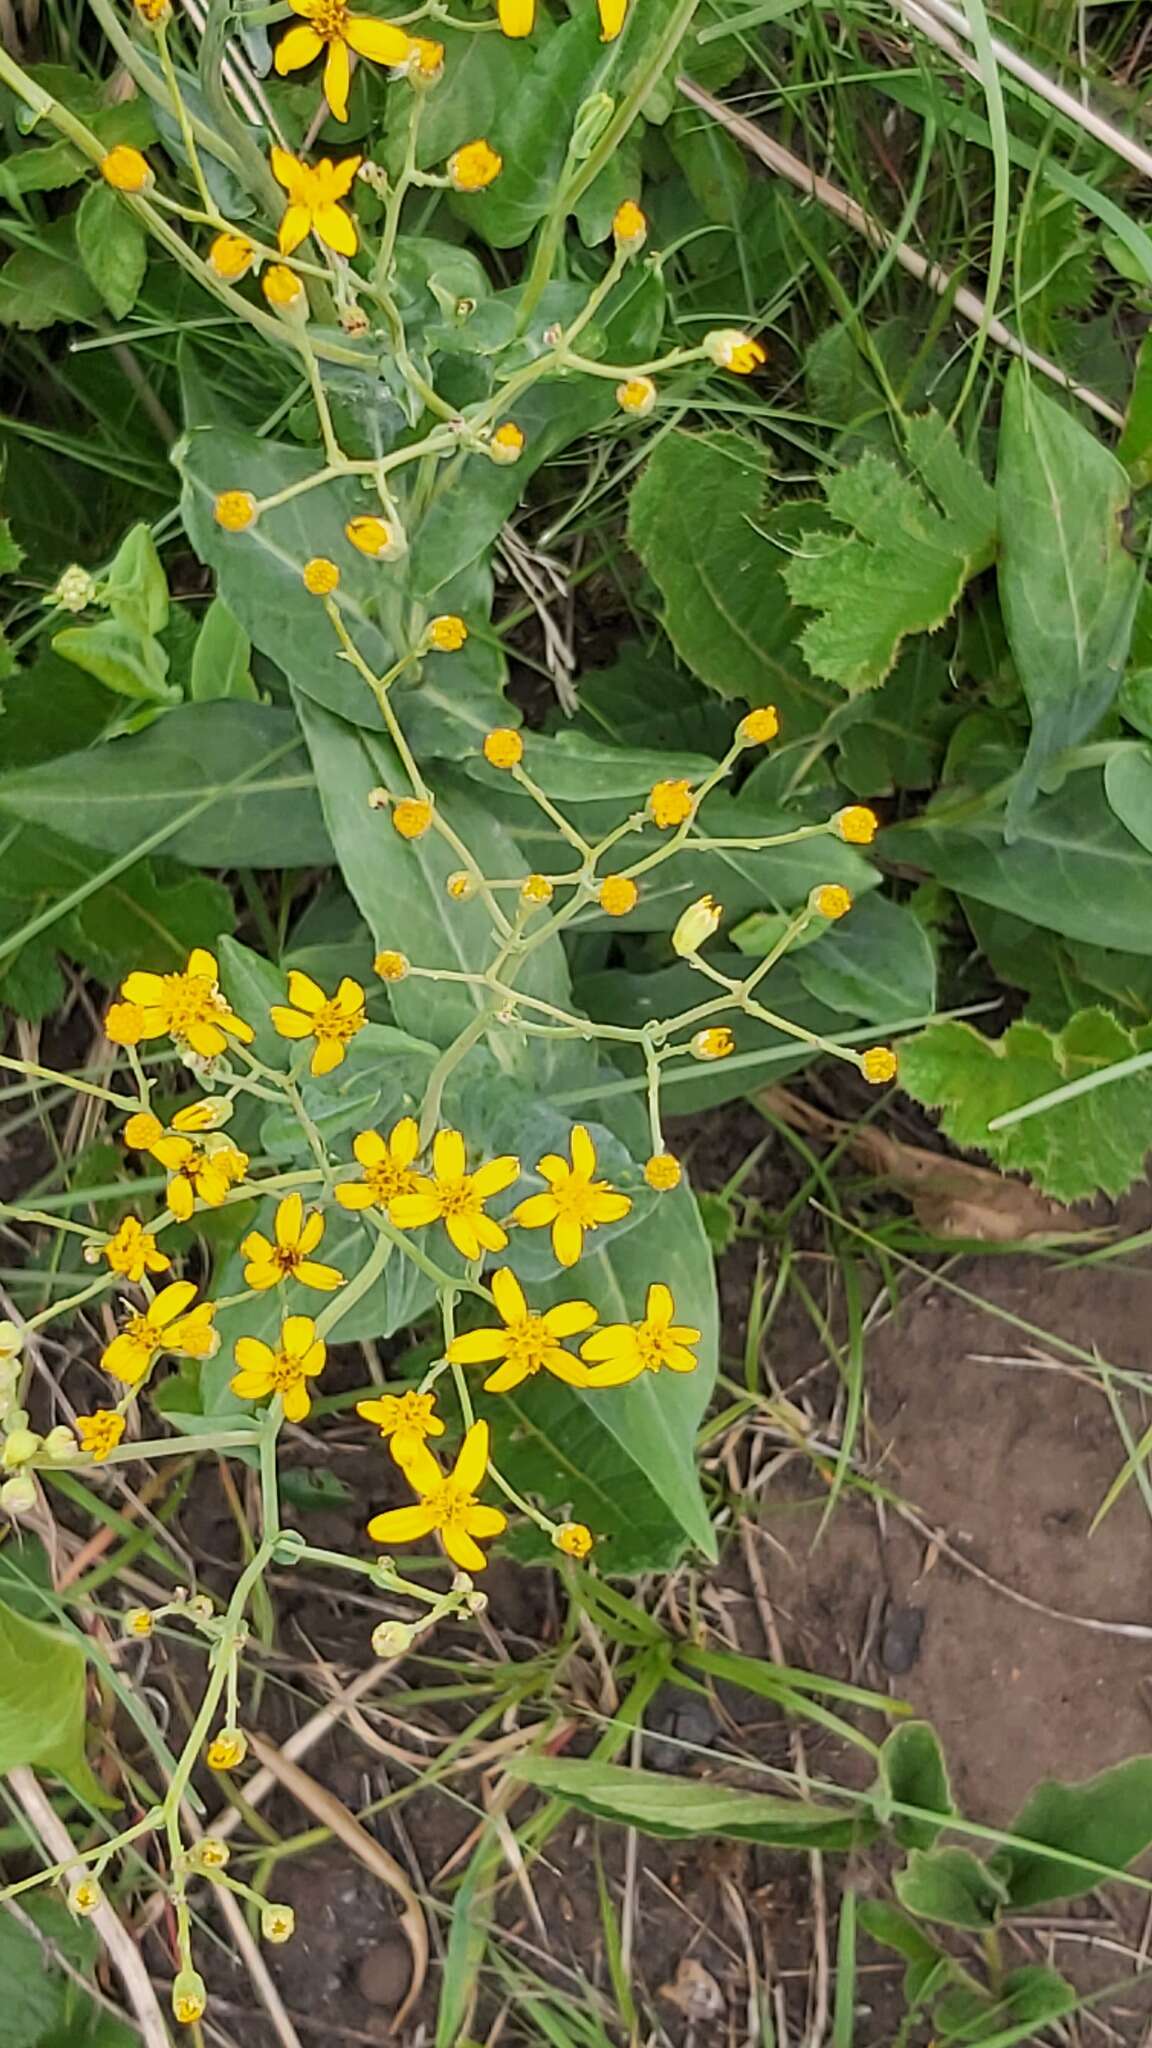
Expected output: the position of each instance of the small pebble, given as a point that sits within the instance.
(384, 1974)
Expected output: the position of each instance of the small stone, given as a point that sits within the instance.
(384, 1974)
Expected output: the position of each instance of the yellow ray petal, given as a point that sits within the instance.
(404, 1141)
(448, 1155)
(583, 1152)
(294, 50)
(337, 76)
(401, 1525)
(463, 1551)
(336, 230)
(484, 1521)
(568, 1318)
(292, 1023)
(325, 1279)
(508, 1295)
(329, 1052)
(517, 16)
(506, 1377)
(535, 1211)
(478, 1347)
(567, 1239)
(289, 1217)
(472, 1463)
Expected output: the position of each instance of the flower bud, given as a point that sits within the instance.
(474, 166)
(506, 444)
(447, 633)
(75, 591)
(391, 966)
(392, 1638)
(856, 824)
(60, 1445)
(20, 1447)
(830, 900)
(629, 227)
(879, 1064)
(636, 395)
(758, 727)
(663, 1172)
(137, 1621)
(575, 1539)
(320, 576)
(503, 747)
(383, 540)
(277, 1923)
(85, 1897)
(731, 349)
(695, 925)
(209, 1853)
(189, 1998)
(714, 1044)
(227, 1750)
(18, 1495)
(285, 292)
(126, 170)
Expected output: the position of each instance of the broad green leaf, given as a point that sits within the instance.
(909, 545)
(894, 736)
(1128, 786)
(113, 248)
(1134, 448)
(952, 1886)
(42, 1703)
(39, 286)
(231, 780)
(1068, 586)
(713, 163)
(220, 657)
(1029, 2000)
(659, 1803)
(1097, 1142)
(11, 552)
(124, 660)
(1107, 1819)
(875, 963)
(135, 589)
(646, 699)
(913, 1773)
(38, 2000)
(887, 1925)
(573, 768)
(693, 521)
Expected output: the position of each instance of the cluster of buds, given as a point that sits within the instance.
(22, 1449)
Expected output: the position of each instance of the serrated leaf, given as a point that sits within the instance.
(42, 1703)
(113, 248)
(1108, 1819)
(660, 1803)
(1095, 1143)
(912, 543)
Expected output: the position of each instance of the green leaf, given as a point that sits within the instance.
(1107, 1819)
(659, 1803)
(913, 1773)
(42, 1704)
(573, 768)
(230, 779)
(1128, 786)
(113, 248)
(220, 657)
(693, 521)
(38, 1999)
(11, 552)
(1068, 587)
(912, 543)
(50, 709)
(1096, 1142)
(1134, 448)
(41, 285)
(119, 657)
(876, 963)
(952, 1886)
(135, 590)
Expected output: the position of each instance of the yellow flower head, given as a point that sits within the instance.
(879, 1064)
(205, 1173)
(695, 925)
(132, 1251)
(670, 802)
(137, 1622)
(447, 634)
(314, 193)
(663, 1172)
(282, 288)
(234, 510)
(327, 23)
(503, 748)
(283, 1369)
(474, 166)
(831, 900)
(758, 727)
(371, 536)
(506, 445)
(622, 1351)
(404, 1420)
(629, 226)
(411, 817)
(857, 824)
(188, 1006)
(391, 966)
(189, 1998)
(618, 895)
(536, 889)
(713, 1044)
(425, 61)
(227, 1750)
(331, 1020)
(125, 169)
(99, 1433)
(528, 1343)
(85, 1897)
(448, 1504)
(461, 886)
(453, 1196)
(277, 1924)
(730, 349)
(636, 395)
(290, 1258)
(575, 1202)
(169, 1323)
(152, 11)
(387, 1164)
(124, 1024)
(210, 1853)
(320, 576)
(231, 256)
(575, 1539)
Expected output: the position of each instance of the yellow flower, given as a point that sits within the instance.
(714, 1044)
(370, 535)
(231, 256)
(188, 1006)
(453, 1196)
(313, 195)
(461, 886)
(425, 61)
(387, 1164)
(328, 22)
(391, 966)
(330, 1020)
(404, 1420)
(575, 1201)
(125, 169)
(536, 889)
(152, 11)
(528, 1343)
(618, 895)
(758, 727)
(206, 1173)
(518, 16)
(210, 1853)
(285, 1370)
(132, 1251)
(85, 1897)
(879, 1064)
(831, 901)
(695, 925)
(189, 1998)
(474, 166)
(448, 1504)
(730, 349)
(277, 1923)
(663, 1172)
(137, 1621)
(575, 1539)
(857, 824)
(506, 444)
(636, 395)
(124, 1024)
(227, 1750)
(447, 633)
(99, 1433)
(629, 226)
(320, 576)
(411, 817)
(234, 510)
(281, 287)
(670, 802)
(622, 1351)
(289, 1258)
(503, 748)
(168, 1324)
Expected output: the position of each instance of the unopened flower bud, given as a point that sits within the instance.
(137, 1621)
(75, 591)
(695, 925)
(85, 1897)
(20, 1447)
(189, 1998)
(18, 1495)
(392, 1638)
(277, 1923)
